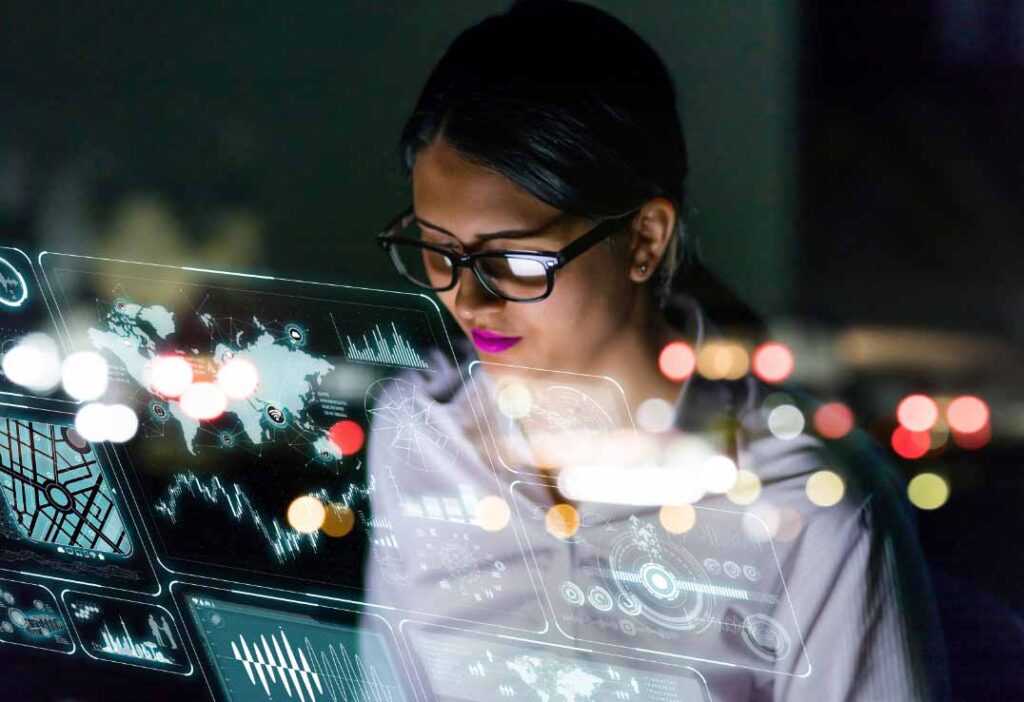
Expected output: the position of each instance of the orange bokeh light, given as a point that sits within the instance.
(917, 412)
(833, 420)
(677, 361)
(773, 362)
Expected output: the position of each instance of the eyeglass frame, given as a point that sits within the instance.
(551, 260)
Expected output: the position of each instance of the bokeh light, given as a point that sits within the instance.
(789, 524)
(515, 400)
(339, 520)
(306, 514)
(974, 440)
(761, 522)
(928, 491)
(562, 521)
(677, 361)
(746, 489)
(122, 423)
(33, 363)
(910, 444)
(786, 422)
(492, 513)
(718, 474)
(773, 362)
(347, 436)
(833, 420)
(655, 415)
(91, 421)
(203, 401)
(677, 519)
(917, 412)
(84, 375)
(967, 414)
(722, 360)
(825, 488)
(238, 378)
(170, 376)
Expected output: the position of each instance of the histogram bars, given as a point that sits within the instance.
(398, 352)
(127, 647)
(341, 677)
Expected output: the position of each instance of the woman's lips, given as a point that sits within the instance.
(492, 342)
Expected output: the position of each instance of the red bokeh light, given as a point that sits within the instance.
(973, 440)
(910, 444)
(967, 414)
(677, 361)
(917, 412)
(773, 362)
(347, 436)
(170, 376)
(833, 420)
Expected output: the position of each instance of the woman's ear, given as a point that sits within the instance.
(653, 228)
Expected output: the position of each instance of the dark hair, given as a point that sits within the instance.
(565, 101)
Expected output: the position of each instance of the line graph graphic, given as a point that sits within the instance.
(55, 488)
(377, 349)
(262, 655)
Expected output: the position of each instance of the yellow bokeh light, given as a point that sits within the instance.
(746, 488)
(718, 360)
(306, 514)
(928, 491)
(492, 513)
(677, 519)
(339, 520)
(562, 521)
(825, 488)
(515, 400)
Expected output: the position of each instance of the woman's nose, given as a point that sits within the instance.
(472, 298)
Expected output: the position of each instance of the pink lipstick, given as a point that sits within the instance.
(493, 342)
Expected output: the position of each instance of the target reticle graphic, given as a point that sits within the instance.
(662, 581)
(401, 414)
(55, 488)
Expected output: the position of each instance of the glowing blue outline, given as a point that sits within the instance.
(21, 279)
(67, 620)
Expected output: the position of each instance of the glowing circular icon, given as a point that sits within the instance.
(712, 566)
(659, 582)
(628, 604)
(751, 573)
(276, 416)
(295, 334)
(732, 569)
(600, 599)
(766, 637)
(159, 411)
(573, 594)
(13, 290)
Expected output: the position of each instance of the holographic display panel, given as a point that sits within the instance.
(131, 633)
(713, 593)
(457, 666)
(264, 653)
(29, 616)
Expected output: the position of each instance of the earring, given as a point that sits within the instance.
(643, 267)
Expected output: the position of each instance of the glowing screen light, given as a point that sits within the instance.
(833, 420)
(238, 378)
(306, 514)
(203, 401)
(910, 444)
(170, 376)
(677, 361)
(84, 375)
(928, 491)
(773, 362)
(917, 412)
(347, 436)
(967, 414)
(33, 363)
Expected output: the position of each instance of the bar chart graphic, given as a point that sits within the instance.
(378, 348)
(260, 655)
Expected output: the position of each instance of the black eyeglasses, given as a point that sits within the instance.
(517, 276)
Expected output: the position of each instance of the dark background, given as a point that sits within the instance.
(856, 167)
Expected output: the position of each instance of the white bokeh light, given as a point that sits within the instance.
(91, 421)
(655, 415)
(786, 422)
(203, 401)
(33, 363)
(238, 378)
(170, 375)
(718, 474)
(122, 423)
(84, 375)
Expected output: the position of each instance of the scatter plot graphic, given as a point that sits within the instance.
(262, 655)
(460, 666)
(128, 632)
(56, 491)
(400, 412)
(379, 349)
(29, 616)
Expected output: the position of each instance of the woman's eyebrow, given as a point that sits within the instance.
(506, 234)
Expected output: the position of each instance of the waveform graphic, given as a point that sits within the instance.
(285, 543)
(126, 646)
(306, 674)
(397, 353)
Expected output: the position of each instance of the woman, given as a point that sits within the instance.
(548, 168)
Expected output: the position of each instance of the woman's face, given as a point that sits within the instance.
(592, 296)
